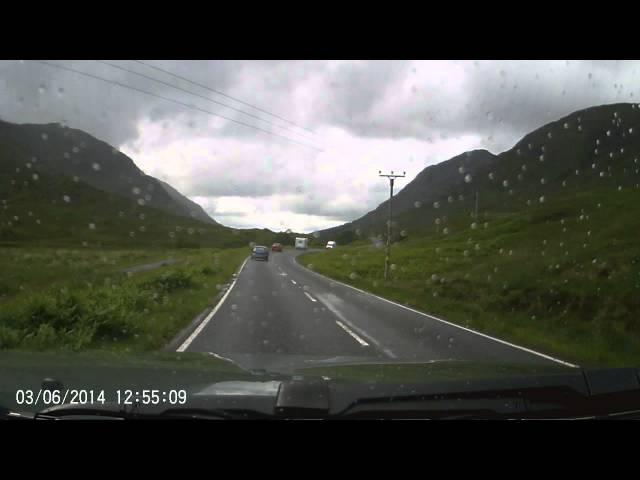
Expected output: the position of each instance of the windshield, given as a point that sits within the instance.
(484, 213)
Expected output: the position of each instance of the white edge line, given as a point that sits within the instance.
(346, 329)
(446, 322)
(204, 323)
(310, 297)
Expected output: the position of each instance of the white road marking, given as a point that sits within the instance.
(204, 323)
(363, 334)
(310, 297)
(528, 350)
(346, 329)
(294, 282)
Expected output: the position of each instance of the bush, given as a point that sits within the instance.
(170, 282)
(9, 337)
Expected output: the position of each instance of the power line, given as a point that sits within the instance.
(224, 95)
(201, 96)
(114, 82)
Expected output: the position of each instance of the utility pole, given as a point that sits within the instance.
(387, 258)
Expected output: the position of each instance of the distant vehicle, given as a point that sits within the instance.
(302, 243)
(276, 247)
(260, 253)
(331, 244)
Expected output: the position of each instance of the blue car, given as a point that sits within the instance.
(260, 253)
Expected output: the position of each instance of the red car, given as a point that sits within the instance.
(276, 247)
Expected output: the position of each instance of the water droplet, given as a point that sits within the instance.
(474, 226)
(566, 126)
(42, 88)
(66, 198)
(141, 202)
(467, 178)
(417, 204)
(35, 176)
(543, 181)
(461, 170)
(92, 226)
(436, 204)
(96, 166)
(491, 176)
(136, 191)
(541, 157)
(608, 133)
(505, 183)
(445, 230)
(44, 136)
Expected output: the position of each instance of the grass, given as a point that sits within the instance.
(78, 300)
(562, 277)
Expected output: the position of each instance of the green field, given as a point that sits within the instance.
(79, 299)
(562, 277)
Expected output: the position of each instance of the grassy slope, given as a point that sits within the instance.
(561, 277)
(90, 304)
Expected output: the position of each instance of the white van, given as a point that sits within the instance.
(302, 243)
(331, 244)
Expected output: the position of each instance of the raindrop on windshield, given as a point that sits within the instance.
(96, 166)
(92, 226)
(417, 204)
(467, 178)
(66, 198)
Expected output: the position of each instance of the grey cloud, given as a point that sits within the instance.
(107, 111)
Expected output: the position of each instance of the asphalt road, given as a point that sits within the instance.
(281, 308)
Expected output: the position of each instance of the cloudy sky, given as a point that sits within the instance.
(343, 121)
